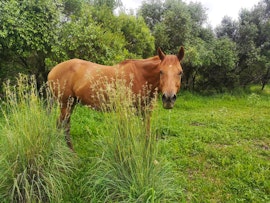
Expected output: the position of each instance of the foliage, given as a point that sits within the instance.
(251, 34)
(227, 28)
(36, 35)
(175, 23)
(152, 12)
(140, 42)
(208, 62)
(110, 4)
(27, 34)
(35, 163)
(83, 38)
(220, 72)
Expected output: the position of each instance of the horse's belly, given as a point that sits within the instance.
(87, 95)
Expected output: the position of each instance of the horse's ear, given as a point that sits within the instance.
(181, 53)
(161, 54)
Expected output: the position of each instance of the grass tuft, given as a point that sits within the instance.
(35, 163)
(129, 167)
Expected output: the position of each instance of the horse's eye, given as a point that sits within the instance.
(161, 72)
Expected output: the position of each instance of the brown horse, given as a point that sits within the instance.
(73, 80)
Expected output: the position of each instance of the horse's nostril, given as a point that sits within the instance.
(168, 98)
(164, 98)
(173, 98)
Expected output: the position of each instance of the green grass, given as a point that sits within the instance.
(35, 164)
(207, 149)
(124, 163)
(218, 146)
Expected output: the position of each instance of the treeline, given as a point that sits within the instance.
(35, 35)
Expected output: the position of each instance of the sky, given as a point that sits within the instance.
(215, 9)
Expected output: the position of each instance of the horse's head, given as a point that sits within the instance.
(170, 76)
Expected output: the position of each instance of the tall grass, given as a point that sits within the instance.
(129, 167)
(35, 163)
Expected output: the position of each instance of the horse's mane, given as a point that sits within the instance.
(127, 61)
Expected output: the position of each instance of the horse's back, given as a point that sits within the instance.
(75, 78)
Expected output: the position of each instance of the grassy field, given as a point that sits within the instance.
(207, 149)
(219, 145)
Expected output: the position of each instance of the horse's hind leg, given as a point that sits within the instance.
(64, 121)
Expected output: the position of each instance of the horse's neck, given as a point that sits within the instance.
(148, 69)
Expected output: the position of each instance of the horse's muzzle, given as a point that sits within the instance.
(168, 100)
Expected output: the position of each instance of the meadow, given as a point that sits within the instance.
(218, 146)
(213, 148)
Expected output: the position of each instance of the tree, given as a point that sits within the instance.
(218, 72)
(173, 22)
(228, 28)
(251, 34)
(139, 40)
(152, 12)
(87, 37)
(198, 19)
(110, 4)
(253, 44)
(177, 20)
(197, 56)
(36, 35)
(27, 34)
